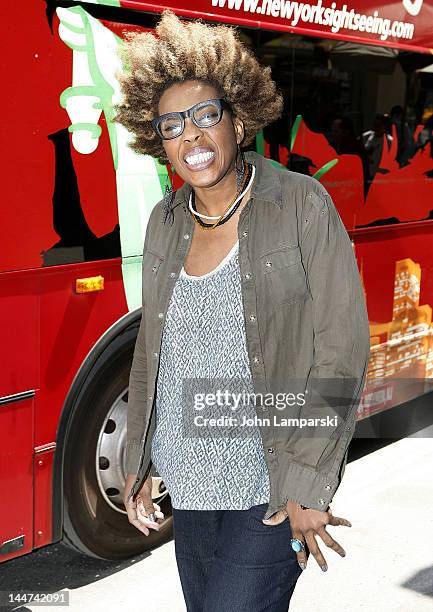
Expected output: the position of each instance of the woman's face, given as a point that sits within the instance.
(220, 139)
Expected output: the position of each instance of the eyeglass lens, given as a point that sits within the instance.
(204, 116)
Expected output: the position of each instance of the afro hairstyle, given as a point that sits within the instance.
(190, 50)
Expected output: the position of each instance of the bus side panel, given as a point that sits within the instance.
(19, 381)
(43, 479)
(16, 477)
(397, 271)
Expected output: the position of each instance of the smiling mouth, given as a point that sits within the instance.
(199, 158)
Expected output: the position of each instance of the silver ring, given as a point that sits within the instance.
(297, 545)
(149, 517)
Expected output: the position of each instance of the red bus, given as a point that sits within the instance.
(358, 116)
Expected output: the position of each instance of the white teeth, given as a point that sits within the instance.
(200, 158)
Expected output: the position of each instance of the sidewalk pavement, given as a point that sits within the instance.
(388, 497)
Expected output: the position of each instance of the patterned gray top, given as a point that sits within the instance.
(204, 337)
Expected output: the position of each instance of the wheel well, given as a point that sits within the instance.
(117, 338)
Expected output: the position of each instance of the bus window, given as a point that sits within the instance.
(359, 118)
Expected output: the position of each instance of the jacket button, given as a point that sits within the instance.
(244, 234)
(256, 360)
(321, 501)
(153, 268)
(149, 396)
(348, 428)
(186, 236)
(271, 450)
(328, 487)
(172, 274)
(252, 318)
(155, 354)
(247, 276)
(268, 263)
(160, 315)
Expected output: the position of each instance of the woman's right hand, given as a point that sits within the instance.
(142, 506)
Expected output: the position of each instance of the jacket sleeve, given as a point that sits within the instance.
(137, 400)
(341, 354)
(136, 422)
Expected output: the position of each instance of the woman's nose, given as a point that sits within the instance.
(191, 131)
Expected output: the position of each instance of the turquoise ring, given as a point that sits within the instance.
(297, 545)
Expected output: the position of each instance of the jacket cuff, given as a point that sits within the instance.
(133, 450)
(306, 486)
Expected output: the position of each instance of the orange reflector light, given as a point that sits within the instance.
(91, 283)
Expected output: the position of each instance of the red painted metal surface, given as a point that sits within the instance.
(278, 15)
(48, 331)
(43, 459)
(16, 474)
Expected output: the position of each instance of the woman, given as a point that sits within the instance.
(248, 274)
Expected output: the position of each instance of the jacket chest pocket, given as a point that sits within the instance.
(152, 263)
(284, 275)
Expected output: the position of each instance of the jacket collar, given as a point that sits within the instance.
(266, 186)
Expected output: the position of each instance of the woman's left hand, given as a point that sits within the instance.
(305, 526)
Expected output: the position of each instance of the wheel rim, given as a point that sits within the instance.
(110, 460)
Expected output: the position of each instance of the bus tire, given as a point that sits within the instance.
(95, 520)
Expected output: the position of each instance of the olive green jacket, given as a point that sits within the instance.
(305, 319)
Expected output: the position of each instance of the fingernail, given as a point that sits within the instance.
(302, 565)
(343, 554)
(324, 568)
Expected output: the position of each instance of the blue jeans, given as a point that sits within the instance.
(229, 561)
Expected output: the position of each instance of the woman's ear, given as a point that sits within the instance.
(239, 129)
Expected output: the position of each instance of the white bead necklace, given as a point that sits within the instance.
(231, 207)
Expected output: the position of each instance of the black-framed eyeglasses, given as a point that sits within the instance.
(204, 114)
